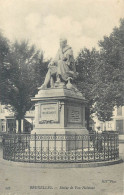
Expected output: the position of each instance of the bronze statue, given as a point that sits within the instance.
(62, 67)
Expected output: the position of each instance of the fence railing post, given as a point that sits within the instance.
(104, 145)
(94, 145)
(14, 148)
(55, 146)
(111, 146)
(114, 147)
(75, 147)
(82, 149)
(26, 140)
(108, 146)
(117, 145)
(48, 149)
(3, 146)
(19, 150)
(35, 145)
(41, 150)
(29, 147)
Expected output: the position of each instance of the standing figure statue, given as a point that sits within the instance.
(62, 67)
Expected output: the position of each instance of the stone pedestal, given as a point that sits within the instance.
(60, 111)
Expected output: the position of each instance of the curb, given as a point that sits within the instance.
(59, 165)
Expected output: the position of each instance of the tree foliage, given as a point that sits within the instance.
(86, 63)
(101, 74)
(111, 74)
(24, 68)
(4, 49)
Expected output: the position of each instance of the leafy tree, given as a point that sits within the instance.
(24, 70)
(4, 49)
(110, 87)
(101, 75)
(86, 63)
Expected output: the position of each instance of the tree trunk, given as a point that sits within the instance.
(19, 118)
(88, 122)
(19, 125)
(87, 115)
(19, 128)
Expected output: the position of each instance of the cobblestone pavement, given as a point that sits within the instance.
(20, 179)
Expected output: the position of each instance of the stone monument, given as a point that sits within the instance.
(60, 108)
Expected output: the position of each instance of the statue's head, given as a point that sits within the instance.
(63, 42)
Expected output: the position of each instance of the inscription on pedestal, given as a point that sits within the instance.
(74, 114)
(48, 113)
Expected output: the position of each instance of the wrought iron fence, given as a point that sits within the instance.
(61, 148)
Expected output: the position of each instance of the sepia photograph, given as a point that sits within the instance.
(61, 97)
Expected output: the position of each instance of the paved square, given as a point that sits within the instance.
(22, 179)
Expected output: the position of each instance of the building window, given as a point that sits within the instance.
(119, 111)
(120, 126)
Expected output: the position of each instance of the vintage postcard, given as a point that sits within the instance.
(61, 97)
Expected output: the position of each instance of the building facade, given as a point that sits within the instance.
(116, 124)
(9, 124)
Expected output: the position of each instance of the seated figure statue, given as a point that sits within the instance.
(62, 67)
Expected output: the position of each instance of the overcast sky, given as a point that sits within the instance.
(43, 22)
